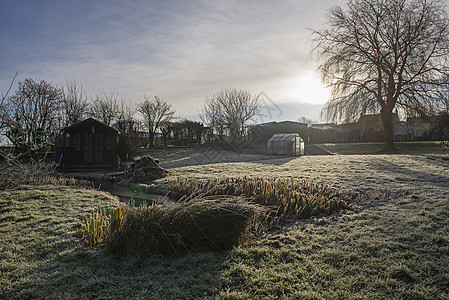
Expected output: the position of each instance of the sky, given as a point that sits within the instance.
(182, 51)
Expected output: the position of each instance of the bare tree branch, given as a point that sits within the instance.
(385, 54)
(227, 112)
(75, 103)
(28, 118)
(155, 112)
(106, 108)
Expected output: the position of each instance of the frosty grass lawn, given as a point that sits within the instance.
(395, 244)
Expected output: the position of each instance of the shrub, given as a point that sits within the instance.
(441, 128)
(124, 149)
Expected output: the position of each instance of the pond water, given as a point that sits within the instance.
(128, 195)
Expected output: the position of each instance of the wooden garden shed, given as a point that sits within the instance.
(285, 144)
(88, 144)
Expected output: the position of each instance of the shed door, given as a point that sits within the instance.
(98, 148)
(88, 147)
(93, 148)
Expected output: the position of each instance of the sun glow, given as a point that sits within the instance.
(308, 88)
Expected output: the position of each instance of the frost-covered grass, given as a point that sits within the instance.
(394, 245)
(424, 147)
(396, 250)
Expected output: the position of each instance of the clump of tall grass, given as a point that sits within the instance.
(102, 225)
(289, 198)
(173, 229)
(216, 223)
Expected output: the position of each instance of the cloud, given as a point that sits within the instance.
(179, 50)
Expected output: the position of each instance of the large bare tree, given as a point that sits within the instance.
(155, 112)
(227, 112)
(382, 55)
(28, 119)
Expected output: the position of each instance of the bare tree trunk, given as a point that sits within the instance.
(387, 121)
(165, 138)
(151, 139)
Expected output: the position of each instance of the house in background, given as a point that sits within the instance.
(368, 128)
(88, 144)
(371, 128)
(419, 129)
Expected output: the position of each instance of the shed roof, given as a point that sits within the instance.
(88, 122)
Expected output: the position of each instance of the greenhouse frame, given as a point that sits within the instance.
(285, 144)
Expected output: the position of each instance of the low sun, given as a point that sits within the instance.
(308, 88)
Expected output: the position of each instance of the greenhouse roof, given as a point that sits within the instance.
(281, 137)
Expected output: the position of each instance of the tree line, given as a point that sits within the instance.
(33, 115)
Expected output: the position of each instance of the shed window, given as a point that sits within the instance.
(99, 147)
(110, 141)
(88, 147)
(77, 141)
(67, 140)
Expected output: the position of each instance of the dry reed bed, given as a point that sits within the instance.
(289, 199)
(210, 215)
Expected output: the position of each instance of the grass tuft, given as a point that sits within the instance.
(102, 224)
(174, 229)
(211, 223)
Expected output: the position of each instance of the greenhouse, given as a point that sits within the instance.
(285, 144)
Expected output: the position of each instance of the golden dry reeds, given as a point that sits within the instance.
(102, 225)
(292, 199)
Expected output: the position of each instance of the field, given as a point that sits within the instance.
(394, 244)
(421, 147)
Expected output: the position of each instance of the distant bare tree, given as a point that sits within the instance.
(28, 122)
(155, 112)
(384, 54)
(129, 128)
(166, 129)
(229, 110)
(106, 108)
(212, 116)
(306, 120)
(126, 123)
(75, 104)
